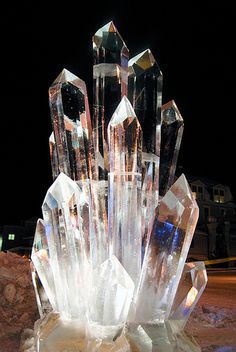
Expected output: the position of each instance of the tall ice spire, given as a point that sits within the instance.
(110, 77)
(124, 197)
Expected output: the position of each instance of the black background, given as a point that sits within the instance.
(193, 43)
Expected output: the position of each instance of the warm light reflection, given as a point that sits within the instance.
(191, 297)
(42, 254)
(118, 73)
(73, 219)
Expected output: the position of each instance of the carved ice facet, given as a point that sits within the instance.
(111, 295)
(72, 126)
(191, 286)
(110, 77)
(66, 216)
(41, 259)
(125, 152)
(170, 240)
(145, 94)
(171, 136)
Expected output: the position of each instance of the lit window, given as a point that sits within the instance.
(222, 199)
(11, 236)
(219, 195)
(197, 192)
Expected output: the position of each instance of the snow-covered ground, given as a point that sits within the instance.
(17, 300)
(213, 322)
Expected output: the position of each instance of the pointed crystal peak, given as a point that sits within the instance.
(143, 62)
(181, 190)
(177, 199)
(65, 76)
(39, 239)
(109, 27)
(40, 227)
(123, 111)
(182, 183)
(52, 138)
(112, 294)
(101, 37)
(171, 113)
(68, 77)
(62, 188)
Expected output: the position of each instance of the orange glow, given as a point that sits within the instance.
(118, 73)
(42, 254)
(73, 220)
(191, 297)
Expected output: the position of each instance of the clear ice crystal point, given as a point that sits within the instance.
(190, 288)
(142, 62)
(171, 135)
(171, 113)
(108, 38)
(124, 187)
(66, 215)
(66, 76)
(110, 299)
(123, 111)
(72, 126)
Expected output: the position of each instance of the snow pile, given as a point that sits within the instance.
(18, 309)
(214, 328)
(214, 316)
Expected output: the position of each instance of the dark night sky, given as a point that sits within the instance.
(192, 42)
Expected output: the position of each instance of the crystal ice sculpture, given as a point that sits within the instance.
(109, 257)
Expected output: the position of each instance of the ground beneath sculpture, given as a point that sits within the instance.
(213, 322)
(18, 309)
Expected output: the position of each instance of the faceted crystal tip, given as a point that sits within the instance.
(142, 62)
(191, 286)
(182, 190)
(62, 188)
(125, 139)
(105, 37)
(122, 112)
(52, 138)
(65, 76)
(170, 113)
(68, 77)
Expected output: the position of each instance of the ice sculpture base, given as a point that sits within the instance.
(56, 334)
(53, 333)
(160, 337)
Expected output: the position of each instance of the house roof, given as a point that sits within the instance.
(208, 182)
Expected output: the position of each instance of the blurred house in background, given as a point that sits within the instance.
(215, 236)
(18, 238)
